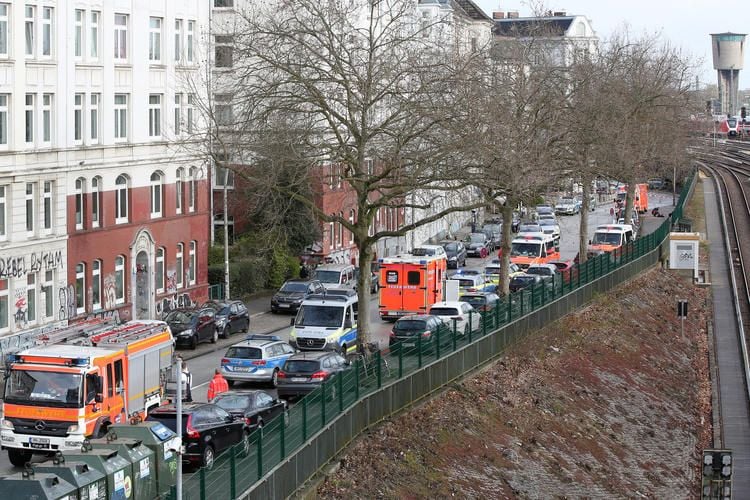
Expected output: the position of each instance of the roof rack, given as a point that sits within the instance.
(257, 336)
(330, 297)
(128, 332)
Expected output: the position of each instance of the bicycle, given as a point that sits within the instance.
(368, 360)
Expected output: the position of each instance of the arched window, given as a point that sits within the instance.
(122, 185)
(79, 195)
(191, 262)
(351, 221)
(96, 285)
(340, 237)
(159, 274)
(120, 279)
(157, 194)
(179, 266)
(192, 189)
(96, 201)
(179, 195)
(80, 288)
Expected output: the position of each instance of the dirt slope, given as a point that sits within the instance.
(607, 403)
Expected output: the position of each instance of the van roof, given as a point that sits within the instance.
(532, 238)
(614, 227)
(334, 267)
(334, 299)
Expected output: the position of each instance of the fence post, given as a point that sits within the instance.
(323, 404)
(497, 316)
(356, 378)
(202, 477)
(419, 346)
(401, 361)
(304, 419)
(510, 307)
(260, 453)
(455, 332)
(437, 344)
(340, 382)
(282, 437)
(232, 470)
(484, 325)
(380, 371)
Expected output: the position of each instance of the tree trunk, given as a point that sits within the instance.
(629, 202)
(505, 247)
(363, 291)
(583, 234)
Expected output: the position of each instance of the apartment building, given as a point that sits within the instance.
(104, 207)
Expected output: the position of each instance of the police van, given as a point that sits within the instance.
(326, 322)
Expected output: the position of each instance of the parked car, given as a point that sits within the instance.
(567, 269)
(521, 281)
(254, 408)
(492, 271)
(190, 326)
(494, 233)
(256, 359)
(420, 329)
(478, 245)
(481, 301)
(567, 205)
(529, 227)
(472, 282)
(451, 310)
(544, 209)
(547, 217)
(456, 252)
(306, 371)
(551, 227)
(293, 292)
(207, 431)
(548, 272)
(231, 317)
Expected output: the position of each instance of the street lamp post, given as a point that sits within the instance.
(473, 220)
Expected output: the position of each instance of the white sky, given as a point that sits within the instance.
(686, 24)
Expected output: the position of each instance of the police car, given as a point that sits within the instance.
(473, 282)
(256, 359)
(492, 271)
(326, 322)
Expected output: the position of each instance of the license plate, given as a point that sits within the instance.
(241, 369)
(283, 305)
(39, 442)
(299, 379)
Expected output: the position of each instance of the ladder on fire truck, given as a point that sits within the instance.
(128, 332)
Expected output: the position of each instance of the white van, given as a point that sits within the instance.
(334, 276)
(326, 322)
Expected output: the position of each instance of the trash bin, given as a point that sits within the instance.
(141, 458)
(28, 485)
(91, 483)
(116, 469)
(163, 442)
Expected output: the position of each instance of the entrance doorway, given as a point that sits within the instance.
(142, 286)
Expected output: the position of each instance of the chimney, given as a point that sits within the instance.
(513, 14)
(498, 14)
(559, 13)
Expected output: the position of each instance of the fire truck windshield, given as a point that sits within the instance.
(43, 388)
(606, 239)
(525, 249)
(326, 316)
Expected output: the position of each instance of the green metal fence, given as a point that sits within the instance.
(234, 472)
(216, 292)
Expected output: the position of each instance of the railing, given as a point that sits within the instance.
(234, 473)
(216, 292)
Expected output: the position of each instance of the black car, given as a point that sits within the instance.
(207, 431)
(482, 301)
(255, 408)
(190, 326)
(293, 292)
(231, 317)
(521, 281)
(494, 233)
(304, 372)
(417, 330)
(456, 253)
(478, 245)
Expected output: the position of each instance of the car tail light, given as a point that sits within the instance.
(281, 374)
(426, 334)
(320, 374)
(259, 362)
(248, 421)
(191, 433)
(393, 334)
(224, 361)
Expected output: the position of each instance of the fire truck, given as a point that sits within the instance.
(77, 380)
(410, 284)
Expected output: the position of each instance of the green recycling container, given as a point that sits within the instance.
(117, 469)
(140, 456)
(28, 485)
(91, 483)
(163, 442)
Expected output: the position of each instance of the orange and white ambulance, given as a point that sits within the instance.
(533, 248)
(78, 380)
(411, 283)
(609, 238)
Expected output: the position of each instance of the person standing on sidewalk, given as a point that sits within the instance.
(217, 385)
(187, 383)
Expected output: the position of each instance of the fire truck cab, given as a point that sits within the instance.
(609, 237)
(533, 248)
(410, 284)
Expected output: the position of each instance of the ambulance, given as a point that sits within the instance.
(640, 204)
(533, 248)
(609, 237)
(411, 283)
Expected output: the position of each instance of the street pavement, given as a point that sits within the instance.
(207, 357)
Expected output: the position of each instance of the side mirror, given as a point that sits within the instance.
(229, 419)
(99, 398)
(348, 323)
(589, 242)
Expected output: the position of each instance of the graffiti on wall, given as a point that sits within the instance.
(67, 299)
(171, 281)
(176, 301)
(19, 266)
(109, 297)
(21, 307)
(111, 314)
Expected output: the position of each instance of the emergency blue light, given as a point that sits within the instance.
(80, 362)
(423, 262)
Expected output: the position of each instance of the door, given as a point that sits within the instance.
(206, 324)
(390, 287)
(414, 288)
(142, 286)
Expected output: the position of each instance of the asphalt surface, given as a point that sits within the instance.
(207, 357)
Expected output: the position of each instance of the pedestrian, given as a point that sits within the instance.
(217, 385)
(187, 383)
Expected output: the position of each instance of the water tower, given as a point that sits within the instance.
(728, 55)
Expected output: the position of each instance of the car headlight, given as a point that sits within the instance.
(185, 333)
(7, 425)
(73, 429)
(452, 258)
(221, 321)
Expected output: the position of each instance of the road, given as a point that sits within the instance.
(203, 361)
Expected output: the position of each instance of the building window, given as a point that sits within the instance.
(177, 113)
(46, 119)
(191, 263)
(30, 12)
(29, 115)
(340, 237)
(179, 190)
(190, 37)
(223, 109)
(192, 189)
(121, 199)
(78, 34)
(47, 206)
(80, 288)
(154, 115)
(120, 279)
(351, 221)
(96, 182)
(96, 285)
(47, 31)
(79, 192)
(94, 118)
(159, 274)
(94, 35)
(121, 117)
(30, 194)
(223, 3)
(3, 304)
(179, 266)
(121, 37)
(190, 107)
(3, 119)
(154, 39)
(49, 298)
(157, 192)
(4, 29)
(78, 118)
(223, 51)
(31, 298)
(332, 234)
(3, 211)
(177, 40)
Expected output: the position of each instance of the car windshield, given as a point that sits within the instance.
(301, 366)
(567, 201)
(541, 271)
(526, 249)
(294, 287)
(522, 280)
(474, 300)
(232, 402)
(495, 228)
(547, 222)
(169, 420)
(529, 228)
(181, 317)
(328, 276)
(477, 237)
(328, 316)
(47, 388)
(606, 239)
(465, 283)
(444, 311)
(492, 270)
(239, 352)
(451, 247)
(408, 325)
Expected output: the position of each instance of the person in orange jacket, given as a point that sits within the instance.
(217, 385)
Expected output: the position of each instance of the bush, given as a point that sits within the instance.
(216, 274)
(216, 255)
(248, 276)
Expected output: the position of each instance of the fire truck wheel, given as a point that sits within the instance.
(19, 458)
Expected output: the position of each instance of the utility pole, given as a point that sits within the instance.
(226, 236)
(177, 376)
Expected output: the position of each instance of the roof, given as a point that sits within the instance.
(252, 340)
(68, 351)
(310, 355)
(533, 26)
(472, 10)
